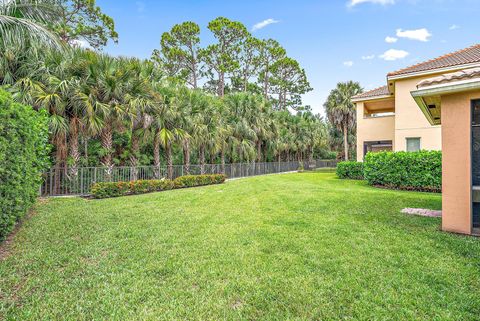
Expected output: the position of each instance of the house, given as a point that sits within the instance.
(388, 118)
(433, 105)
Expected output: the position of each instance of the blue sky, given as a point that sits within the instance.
(334, 40)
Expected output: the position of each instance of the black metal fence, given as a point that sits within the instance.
(65, 181)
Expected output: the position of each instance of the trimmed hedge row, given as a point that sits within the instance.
(420, 171)
(115, 189)
(24, 153)
(350, 170)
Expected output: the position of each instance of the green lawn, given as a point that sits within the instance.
(281, 247)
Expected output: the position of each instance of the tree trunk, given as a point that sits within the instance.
(156, 157)
(60, 142)
(222, 161)
(221, 84)
(259, 151)
(168, 151)
(74, 148)
(345, 140)
(265, 86)
(186, 157)
(107, 144)
(85, 149)
(135, 148)
(201, 158)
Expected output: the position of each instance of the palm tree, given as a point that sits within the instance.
(105, 94)
(25, 21)
(165, 129)
(340, 109)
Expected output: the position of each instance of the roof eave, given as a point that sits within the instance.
(358, 100)
(442, 89)
(432, 71)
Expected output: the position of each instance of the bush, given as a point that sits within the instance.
(115, 189)
(420, 171)
(350, 170)
(198, 180)
(24, 153)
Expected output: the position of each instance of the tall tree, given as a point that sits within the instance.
(270, 52)
(179, 53)
(79, 20)
(222, 57)
(341, 110)
(249, 62)
(289, 82)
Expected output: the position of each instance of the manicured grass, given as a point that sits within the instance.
(279, 247)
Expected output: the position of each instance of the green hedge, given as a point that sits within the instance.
(350, 170)
(24, 153)
(420, 171)
(115, 189)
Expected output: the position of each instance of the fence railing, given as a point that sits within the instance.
(65, 181)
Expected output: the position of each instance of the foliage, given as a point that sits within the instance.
(350, 170)
(178, 56)
(115, 189)
(198, 180)
(341, 110)
(235, 62)
(24, 21)
(83, 20)
(421, 171)
(23, 157)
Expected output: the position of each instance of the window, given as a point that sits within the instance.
(379, 146)
(413, 144)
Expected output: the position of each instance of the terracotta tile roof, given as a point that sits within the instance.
(380, 91)
(465, 74)
(461, 57)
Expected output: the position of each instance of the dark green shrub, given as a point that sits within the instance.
(198, 180)
(115, 189)
(421, 171)
(24, 153)
(350, 170)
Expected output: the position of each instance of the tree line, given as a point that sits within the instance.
(223, 103)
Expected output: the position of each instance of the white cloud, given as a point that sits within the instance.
(417, 34)
(391, 39)
(353, 3)
(348, 63)
(80, 43)
(263, 24)
(368, 57)
(454, 27)
(394, 54)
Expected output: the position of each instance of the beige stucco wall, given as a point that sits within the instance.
(456, 162)
(372, 129)
(409, 119)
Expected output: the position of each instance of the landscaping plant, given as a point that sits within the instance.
(23, 157)
(421, 171)
(115, 189)
(350, 170)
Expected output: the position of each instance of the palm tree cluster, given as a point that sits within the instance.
(122, 111)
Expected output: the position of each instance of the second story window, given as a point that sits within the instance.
(413, 144)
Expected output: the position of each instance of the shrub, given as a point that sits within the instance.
(350, 170)
(24, 153)
(115, 189)
(421, 171)
(198, 180)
